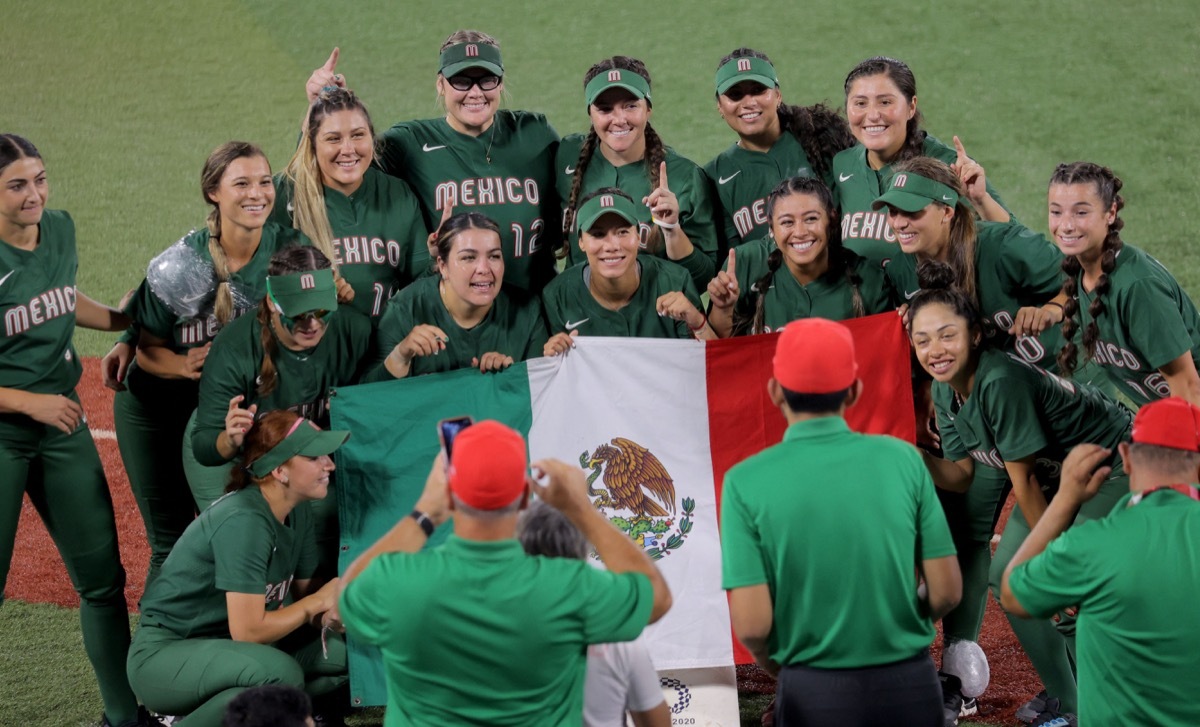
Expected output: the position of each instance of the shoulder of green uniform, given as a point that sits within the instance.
(753, 255)
(58, 217)
(675, 158)
(850, 159)
(727, 159)
(519, 119)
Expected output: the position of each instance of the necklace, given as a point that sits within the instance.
(491, 140)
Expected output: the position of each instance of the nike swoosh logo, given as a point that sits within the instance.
(575, 324)
(909, 296)
(723, 180)
(946, 199)
(844, 177)
(427, 147)
(291, 208)
(6, 277)
(193, 298)
(569, 170)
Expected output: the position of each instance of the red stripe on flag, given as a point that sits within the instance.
(742, 421)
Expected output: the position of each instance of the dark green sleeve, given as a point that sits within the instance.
(391, 151)
(551, 296)
(149, 312)
(280, 212)
(242, 548)
(537, 332)
(953, 448)
(394, 325)
(309, 557)
(1153, 323)
(228, 372)
(1031, 263)
(419, 263)
(1011, 407)
(696, 217)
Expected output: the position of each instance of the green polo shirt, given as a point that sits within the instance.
(480, 633)
(1133, 576)
(787, 299)
(1018, 410)
(235, 546)
(511, 328)
(1148, 321)
(569, 303)
(843, 584)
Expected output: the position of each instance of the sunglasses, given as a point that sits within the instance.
(742, 90)
(463, 83)
(291, 322)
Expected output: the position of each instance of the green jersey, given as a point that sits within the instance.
(304, 381)
(506, 173)
(37, 299)
(687, 182)
(786, 299)
(1148, 321)
(235, 546)
(1133, 576)
(378, 236)
(1015, 267)
(1018, 410)
(570, 305)
(512, 328)
(742, 180)
(864, 230)
(868, 507)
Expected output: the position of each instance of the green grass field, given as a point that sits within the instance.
(126, 99)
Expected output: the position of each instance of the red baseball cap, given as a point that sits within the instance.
(815, 356)
(488, 466)
(1172, 422)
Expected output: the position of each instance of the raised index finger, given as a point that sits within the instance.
(962, 153)
(331, 62)
(731, 268)
(233, 403)
(662, 176)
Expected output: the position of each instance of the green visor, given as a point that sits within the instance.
(617, 78)
(458, 58)
(304, 438)
(603, 204)
(736, 70)
(300, 293)
(910, 192)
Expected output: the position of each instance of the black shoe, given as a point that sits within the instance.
(969, 708)
(1029, 711)
(144, 719)
(1051, 716)
(952, 698)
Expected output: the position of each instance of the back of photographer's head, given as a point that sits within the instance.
(815, 366)
(545, 531)
(488, 470)
(1166, 439)
(272, 705)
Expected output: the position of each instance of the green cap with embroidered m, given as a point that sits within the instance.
(910, 192)
(304, 438)
(746, 68)
(461, 56)
(617, 78)
(298, 293)
(604, 204)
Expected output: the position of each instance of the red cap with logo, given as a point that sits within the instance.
(488, 466)
(1172, 422)
(815, 356)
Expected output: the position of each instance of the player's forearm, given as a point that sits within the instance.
(274, 625)
(621, 555)
(162, 362)
(1030, 498)
(947, 474)
(990, 210)
(90, 314)
(14, 401)
(1059, 515)
(721, 321)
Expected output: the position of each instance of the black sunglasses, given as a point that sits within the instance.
(464, 83)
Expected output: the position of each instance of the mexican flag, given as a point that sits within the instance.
(654, 424)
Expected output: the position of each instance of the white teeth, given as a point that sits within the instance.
(255, 207)
(751, 116)
(940, 367)
(874, 129)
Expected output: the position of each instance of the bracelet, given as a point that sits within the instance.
(664, 225)
(424, 521)
(1054, 303)
(699, 327)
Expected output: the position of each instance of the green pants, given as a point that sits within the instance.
(972, 517)
(149, 432)
(65, 481)
(199, 677)
(1050, 643)
(205, 483)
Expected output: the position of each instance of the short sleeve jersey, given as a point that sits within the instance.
(37, 299)
(511, 328)
(378, 236)
(685, 180)
(864, 230)
(158, 312)
(787, 299)
(742, 180)
(871, 519)
(1014, 267)
(1148, 321)
(506, 173)
(492, 606)
(570, 305)
(235, 546)
(304, 381)
(1133, 576)
(1018, 410)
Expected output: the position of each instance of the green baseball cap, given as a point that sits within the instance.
(461, 56)
(617, 78)
(746, 68)
(603, 204)
(300, 293)
(912, 193)
(310, 441)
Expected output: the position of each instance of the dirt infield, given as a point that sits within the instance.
(38, 575)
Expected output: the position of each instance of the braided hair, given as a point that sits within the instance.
(210, 180)
(841, 260)
(656, 151)
(1108, 189)
(293, 259)
(901, 75)
(821, 131)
